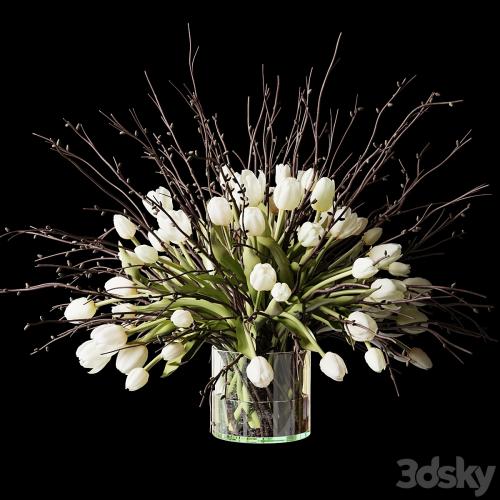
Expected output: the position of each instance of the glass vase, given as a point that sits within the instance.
(279, 413)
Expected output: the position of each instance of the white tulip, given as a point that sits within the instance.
(176, 226)
(156, 241)
(384, 255)
(129, 261)
(399, 269)
(136, 379)
(157, 200)
(282, 172)
(113, 336)
(130, 358)
(124, 311)
(260, 372)
(79, 309)
(419, 283)
(361, 224)
(182, 318)
(363, 328)
(227, 176)
(322, 194)
(333, 366)
(272, 206)
(219, 211)
(172, 351)
(281, 292)
(372, 236)
(363, 268)
(288, 194)
(146, 254)
(124, 227)
(93, 356)
(253, 188)
(253, 221)
(409, 315)
(419, 358)
(347, 223)
(375, 359)
(120, 287)
(306, 178)
(310, 234)
(419, 288)
(263, 277)
(385, 289)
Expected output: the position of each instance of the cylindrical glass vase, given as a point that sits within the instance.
(279, 413)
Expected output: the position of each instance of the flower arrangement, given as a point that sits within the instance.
(260, 254)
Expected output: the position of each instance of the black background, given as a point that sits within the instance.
(88, 429)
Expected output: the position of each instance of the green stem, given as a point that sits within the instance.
(153, 362)
(278, 228)
(107, 302)
(332, 279)
(145, 326)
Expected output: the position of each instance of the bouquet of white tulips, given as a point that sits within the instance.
(280, 250)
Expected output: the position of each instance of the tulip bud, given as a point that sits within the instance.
(386, 289)
(253, 187)
(93, 356)
(157, 200)
(228, 177)
(282, 172)
(136, 379)
(124, 311)
(172, 351)
(252, 220)
(362, 327)
(146, 254)
(384, 255)
(156, 241)
(306, 178)
(418, 282)
(120, 287)
(182, 318)
(310, 234)
(288, 194)
(113, 336)
(419, 358)
(219, 211)
(263, 277)
(375, 359)
(418, 288)
(175, 225)
(347, 223)
(322, 195)
(130, 358)
(129, 261)
(272, 206)
(411, 319)
(363, 268)
(79, 309)
(372, 236)
(399, 269)
(281, 292)
(333, 366)
(260, 372)
(360, 226)
(124, 227)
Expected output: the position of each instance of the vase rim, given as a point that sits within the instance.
(265, 354)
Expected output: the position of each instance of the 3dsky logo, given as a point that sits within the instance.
(445, 476)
